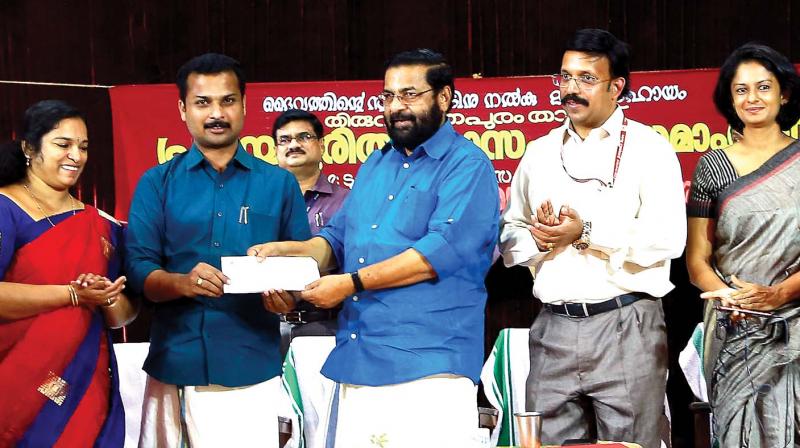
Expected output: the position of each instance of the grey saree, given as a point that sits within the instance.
(753, 366)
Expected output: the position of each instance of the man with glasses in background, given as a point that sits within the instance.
(597, 212)
(415, 240)
(298, 137)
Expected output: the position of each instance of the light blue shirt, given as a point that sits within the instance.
(443, 202)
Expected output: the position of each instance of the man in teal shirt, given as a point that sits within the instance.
(208, 348)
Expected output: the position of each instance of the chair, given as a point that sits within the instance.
(503, 376)
(691, 361)
(309, 393)
(132, 380)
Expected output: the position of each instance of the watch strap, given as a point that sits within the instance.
(357, 281)
(582, 243)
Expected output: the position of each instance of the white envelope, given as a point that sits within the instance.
(248, 275)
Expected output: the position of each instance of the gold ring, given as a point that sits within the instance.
(108, 301)
(199, 281)
(549, 246)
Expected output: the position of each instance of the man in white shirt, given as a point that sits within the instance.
(597, 212)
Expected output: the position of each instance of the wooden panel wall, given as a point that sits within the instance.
(145, 41)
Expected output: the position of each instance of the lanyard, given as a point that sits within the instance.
(623, 132)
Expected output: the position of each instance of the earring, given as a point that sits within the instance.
(27, 160)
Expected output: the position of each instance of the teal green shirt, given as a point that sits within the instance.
(185, 212)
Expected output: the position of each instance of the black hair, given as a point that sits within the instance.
(39, 119)
(209, 64)
(771, 60)
(296, 115)
(439, 73)
(601, 42)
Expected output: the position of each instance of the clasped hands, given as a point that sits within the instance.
(93, 289)
(553, 231)
(747, 296)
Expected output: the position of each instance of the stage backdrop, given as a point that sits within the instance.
(501, 115)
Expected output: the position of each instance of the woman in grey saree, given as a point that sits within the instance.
(744, 251)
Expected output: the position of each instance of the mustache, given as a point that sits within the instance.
(295, 151)
(216, 123)
(398, 116)
(574, 97)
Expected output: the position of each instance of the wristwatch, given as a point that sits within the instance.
(582, 243)
(357, 285)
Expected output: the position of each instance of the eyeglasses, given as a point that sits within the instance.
(404, 97)
(302, 138)
(584, 82)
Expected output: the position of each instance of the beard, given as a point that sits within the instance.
(421, 128)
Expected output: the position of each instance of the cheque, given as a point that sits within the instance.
(249, 275)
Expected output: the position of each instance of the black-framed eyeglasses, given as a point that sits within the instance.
(584, 82)
(404, 97)
(302, 138)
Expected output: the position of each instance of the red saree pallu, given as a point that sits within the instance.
(54, 367)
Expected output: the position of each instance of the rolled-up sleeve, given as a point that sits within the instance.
(516, 242)
(145, 230)
(465, 219)
(658, 231)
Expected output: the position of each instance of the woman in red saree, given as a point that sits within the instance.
(744, 251)
(58, 381)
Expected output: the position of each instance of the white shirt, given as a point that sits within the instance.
(637, 226)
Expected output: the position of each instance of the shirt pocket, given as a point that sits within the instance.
(415, 213)
(264, 227)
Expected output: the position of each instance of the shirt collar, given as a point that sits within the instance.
(241, 158)
(437, 145)
(322, 185)
(612, 126)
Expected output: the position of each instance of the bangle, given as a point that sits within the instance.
(357, 281)
(73, 296)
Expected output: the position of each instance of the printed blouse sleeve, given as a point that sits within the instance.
(702, 199)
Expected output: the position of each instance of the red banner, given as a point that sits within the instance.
(501, 115)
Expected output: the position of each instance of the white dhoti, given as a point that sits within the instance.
(436, 411)
(210, 416)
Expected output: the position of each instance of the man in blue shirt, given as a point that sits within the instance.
(210, 353)
(415, 239)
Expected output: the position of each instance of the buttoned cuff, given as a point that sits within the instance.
(439, 253)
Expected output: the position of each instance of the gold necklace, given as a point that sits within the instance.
(39, 206)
